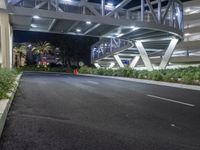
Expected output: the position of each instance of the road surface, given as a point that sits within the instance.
(63, 112)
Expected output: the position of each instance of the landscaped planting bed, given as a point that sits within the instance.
(190, 75)
(7, 79)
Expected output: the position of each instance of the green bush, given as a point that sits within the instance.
(157, 76)
(7, 78)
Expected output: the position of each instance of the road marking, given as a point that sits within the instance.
(92, 82)
(171, 100)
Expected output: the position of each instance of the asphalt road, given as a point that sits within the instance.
(63, 112)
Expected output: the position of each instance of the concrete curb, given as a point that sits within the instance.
(175, 85)
(6, 103)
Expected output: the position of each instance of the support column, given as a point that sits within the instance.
(103, 7)
(112, 64)
(97, 65)
(134, 62)
(168, 53)
(144, 55)
(118, 60)
(5, 41)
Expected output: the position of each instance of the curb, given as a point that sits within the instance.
(168, 84)
(6, 103)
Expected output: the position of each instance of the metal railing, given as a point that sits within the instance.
(108, 46)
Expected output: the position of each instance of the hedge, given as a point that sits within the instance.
(7, 78)
(190, 75)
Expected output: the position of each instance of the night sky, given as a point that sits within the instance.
(80, 43)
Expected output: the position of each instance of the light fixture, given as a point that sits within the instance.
(187, 34)
(36, 17)
(88, 22)
(110, 4)
(33, 26)
(187, 10)
(78, 30)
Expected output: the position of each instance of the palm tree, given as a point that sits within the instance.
(21, 50)
(41, 49)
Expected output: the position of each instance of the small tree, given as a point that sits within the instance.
(41, 49)
(20, 49)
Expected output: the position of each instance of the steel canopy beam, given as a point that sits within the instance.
(119, 6)
(144, 55)
(119, 61)
(134, 62)
(168, 53)
(40, 5)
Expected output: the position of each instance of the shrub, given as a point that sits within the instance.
(157, 76)
(7, 78)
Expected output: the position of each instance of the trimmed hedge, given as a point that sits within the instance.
(7, 78)
(190, 75)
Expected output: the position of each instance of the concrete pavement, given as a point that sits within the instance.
(63, 112)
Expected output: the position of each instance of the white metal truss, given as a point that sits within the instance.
(108, 47)
(134, 62)
(150, 15)
(144, 55)
(118, 60)
(168, 53)
(97, 65)
(112, 64)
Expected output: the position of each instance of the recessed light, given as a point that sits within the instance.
(110, 4)
(33, 26)
(78, 30)
(36, 17)
(88, 22)
(187, 34)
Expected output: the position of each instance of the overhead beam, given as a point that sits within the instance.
(118, 7)
(72, 26)
(40, 5)
(152, 11)
(29, 12)
(145, 5)
(69, 16)
(52, 24)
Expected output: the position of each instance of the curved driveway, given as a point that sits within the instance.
(63, 112)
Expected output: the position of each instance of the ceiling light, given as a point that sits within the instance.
(187, 34)
(110, 4)
(33, 26)
(88, 22)
(78, 30)
(36, 17)
(187, 10)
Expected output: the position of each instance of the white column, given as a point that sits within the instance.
(134, 62)
(168, 53)
(103, 7)
(97, 65)
(144, 55)
(118, 60)
(112, 64)
(5, 41)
